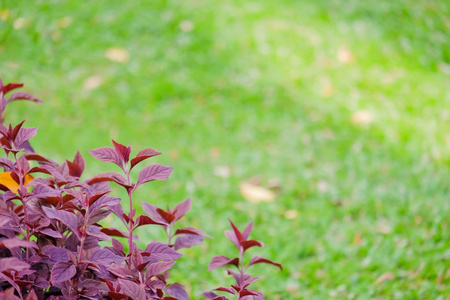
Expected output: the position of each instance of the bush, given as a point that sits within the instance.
(50, 230)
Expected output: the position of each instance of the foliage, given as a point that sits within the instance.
(50, 230)
(243, 280)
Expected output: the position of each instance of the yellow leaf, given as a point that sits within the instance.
(117, 54)
(361, 117)
(64, 22)
(92, 82)
(10, 183)
(345, 56)
(291, 214)
(21, 23)
(4, 14)
(384, 277)
(222, 171)
(186, 25)
(256, 194)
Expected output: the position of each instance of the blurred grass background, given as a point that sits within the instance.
(345, 103)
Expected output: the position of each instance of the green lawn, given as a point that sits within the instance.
(346, 103)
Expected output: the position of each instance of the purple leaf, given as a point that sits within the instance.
(232, 237)
(144, 154)
(118, 246)
(109, 176)
(104, 201)
(211, 295)
(258, 297)
(251, 243)
(121, 272)
(13, 263)
(51, 232)
(7, 164)
(62, 271)
(177, 290)
(238, 276)
(24, 135)
(47, 169)
(247, 230)
(136, 257)
(161, 251)
(145, 220)
(191, 230)
(259, 260)
(243, 293)
(56, 254)
(76, 167)
(151, 210)
(96, 232)
(23, 164)
(154, 284)
(249, 281)
(159, 267)
(67, 218)
(23, 96)
(105, 256)
(16, 242)
(153, 172)
(224, 289)
(220, 261)
(97, 215)
(106, 154)
(8, 195)
(122, 151)
(188, 240)
(167, 216)
(114, 232)
(10, 87)
(131, 289)
(181, 209)
(118, 211)
(237, 233)
(40, 159)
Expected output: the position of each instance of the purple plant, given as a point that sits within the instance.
(50, 227)
(240, 289)
(50, 230)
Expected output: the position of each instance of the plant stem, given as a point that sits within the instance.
(241, 269)
(25, 211)
(130, 228)
(130, 215)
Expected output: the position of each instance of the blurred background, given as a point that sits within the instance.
(325, 122)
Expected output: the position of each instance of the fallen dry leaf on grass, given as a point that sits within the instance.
(361, 117)
(327, 90)
(186, 25)
(357, 239)
(383, 228)
(92, 82)
(214, 152)
(4, 14)
(174, 154)
(222, 171)
(384, 277)
(64, 22)
(323, 186)
(256, 194)
(345, 56)
(291, 214)
(117, 54)
(21, 23)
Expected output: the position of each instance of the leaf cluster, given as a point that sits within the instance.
(51, 229)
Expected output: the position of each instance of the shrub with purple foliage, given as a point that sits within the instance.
(50, 227)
